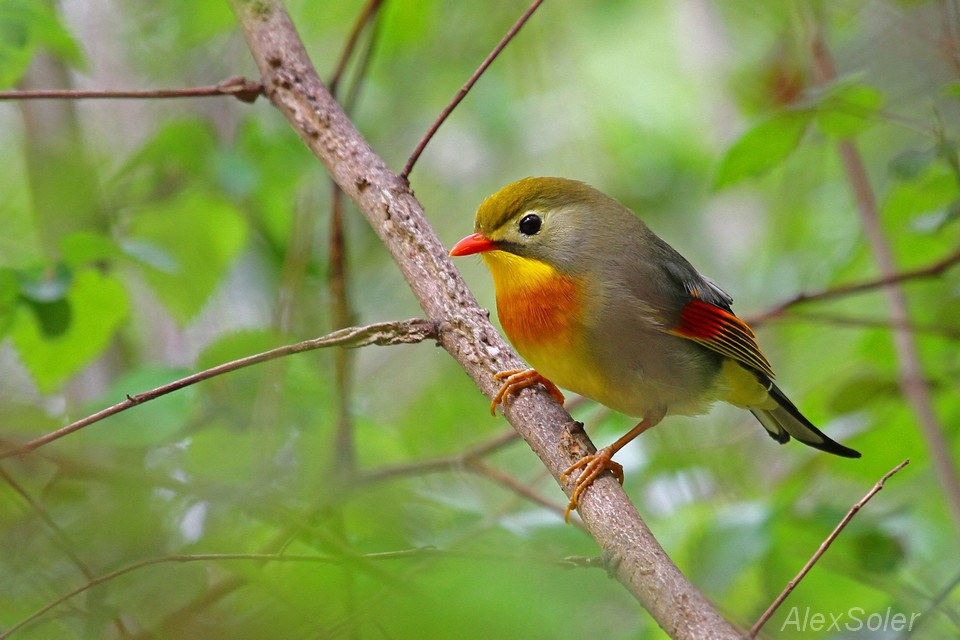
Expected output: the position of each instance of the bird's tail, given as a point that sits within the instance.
(786, 420)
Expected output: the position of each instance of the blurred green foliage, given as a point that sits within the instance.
(145, 240)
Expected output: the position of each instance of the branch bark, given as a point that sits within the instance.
(634, 557)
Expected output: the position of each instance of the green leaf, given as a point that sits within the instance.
(950, 215)
(875, 551)
(153, 422)
(933, 191)
(278, 155)
(222, 453)
(762, 148)
(179, 150)
(25, 27)
(196, 23)
(911, 163)
(198, 236)
(746, 531)
(860, 392)
(935, 221)
(150, 255)
(951, 89)
(45, 284)
(236, 173)
(9, 297)
(82, 248)
(97, 304)
(849, 110)
(53, 318)
(9, 288)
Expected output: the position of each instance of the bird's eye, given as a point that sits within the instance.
(530, 224)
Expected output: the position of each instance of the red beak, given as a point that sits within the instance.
(475, 243)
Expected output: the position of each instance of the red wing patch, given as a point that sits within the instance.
(723, 332)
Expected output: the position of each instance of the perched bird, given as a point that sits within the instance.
(600, 305)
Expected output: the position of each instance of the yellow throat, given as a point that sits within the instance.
(538, 306)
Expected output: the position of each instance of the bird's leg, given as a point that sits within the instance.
(514, 380)
(595, 464)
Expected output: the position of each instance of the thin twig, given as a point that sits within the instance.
(383, 334)
(350, 101)
(911, 378)
(237, 86)
(949, 333)
(933, 270)
(296, 260)
(323, 501)
(343, 451)
(366, 17)
(177, 621)
(445, 463)
(412, 160)
(935, 603)
(62, 542)
(512, 484)
(344, 448)
(213, 557)
(822, 549)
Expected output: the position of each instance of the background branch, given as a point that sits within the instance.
(465, 89)
(237, 86)
(822, 549)
(210, 557)
(933, 270)
(384, 333)
(344, 448)
(912, 381)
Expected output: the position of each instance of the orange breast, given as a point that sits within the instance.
(540, 316)
(538, 307)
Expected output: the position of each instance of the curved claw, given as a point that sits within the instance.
(602, 460)
(593, 465)
(516, 380)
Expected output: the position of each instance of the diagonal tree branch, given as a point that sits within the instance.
(932, 270)
(384, 198)
(822, 549)
(465, 89)
(384, 333)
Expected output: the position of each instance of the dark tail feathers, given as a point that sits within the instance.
(786, 420)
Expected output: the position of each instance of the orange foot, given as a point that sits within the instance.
(593, 465)
(517, 379)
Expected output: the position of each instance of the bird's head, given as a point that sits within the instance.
(546, 220)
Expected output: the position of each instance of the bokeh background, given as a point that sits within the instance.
(145, 240)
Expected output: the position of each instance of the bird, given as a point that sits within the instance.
(595, 302)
